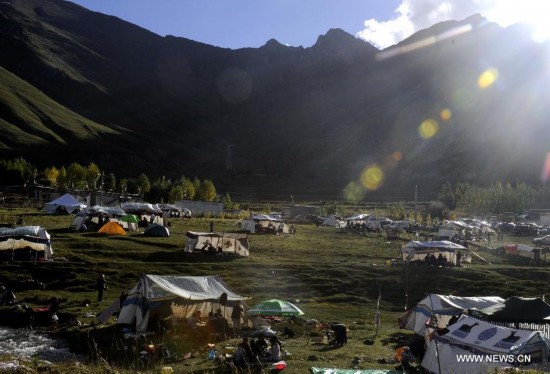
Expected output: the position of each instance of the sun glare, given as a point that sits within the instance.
(487, 78)
(533, 12)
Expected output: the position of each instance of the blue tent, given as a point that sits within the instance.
(155, 229)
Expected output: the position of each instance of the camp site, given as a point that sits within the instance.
(332, 298)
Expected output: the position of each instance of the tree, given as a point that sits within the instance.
(188, 189)
(123, 185)
(51, 175)
(76, 176)
(176, 193)
(143, 184)
(110, 182)
(92, 175)
(207, 191)
(447, 196)
(197, 188)
(227, 203)
(62, 180)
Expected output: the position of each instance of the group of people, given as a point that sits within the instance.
(251, 352)
(430, 259)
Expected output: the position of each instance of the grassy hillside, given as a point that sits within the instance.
(31, 117)
(331, 275)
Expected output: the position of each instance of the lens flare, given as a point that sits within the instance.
(428, 128)
(372, 177)
(487, 78)
(354, 192)
(446, 114)
(397, 156)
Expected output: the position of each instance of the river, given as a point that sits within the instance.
(21, 343)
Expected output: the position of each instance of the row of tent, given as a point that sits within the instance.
(488, 326)
(68, 204)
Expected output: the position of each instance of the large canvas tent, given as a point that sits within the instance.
(494, 346)
(63, 205)
(417, 250)
(190, 293)
(25, 238)
(212, 242)
(438, 310)
(258, 223)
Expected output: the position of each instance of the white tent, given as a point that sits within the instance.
(417, 251)
(193, 292)
(64, 204)
(438, 310)
(210, 242)
(262, 223)
(139, 208)
(35, 238)
(485, 347)
(451, 229)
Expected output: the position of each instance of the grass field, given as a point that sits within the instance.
(331, 275)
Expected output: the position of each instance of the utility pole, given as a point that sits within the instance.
(415, 202)
(101, 199)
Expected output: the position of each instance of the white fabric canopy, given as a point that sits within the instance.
(440, 308)
(190, 288)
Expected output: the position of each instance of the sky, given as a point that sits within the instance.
(251, 23)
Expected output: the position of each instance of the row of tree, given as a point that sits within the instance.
(495, 199)
(91, 177)
(466, 198)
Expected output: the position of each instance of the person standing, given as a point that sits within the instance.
(101, 285)
(236, 318)
(211, 226)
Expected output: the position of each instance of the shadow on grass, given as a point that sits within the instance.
(65, 230)
(180, 256)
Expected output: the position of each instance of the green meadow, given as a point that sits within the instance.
(332, 275)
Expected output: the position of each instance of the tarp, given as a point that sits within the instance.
(211, 242)
(474, 338)
(517, 310)
(195, 292)
(68, 203)
(522, 250)
(112, 228)
(155, 229)
(417, 251)
(33, 237)
(438, 310)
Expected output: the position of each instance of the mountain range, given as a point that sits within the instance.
(461, 101)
